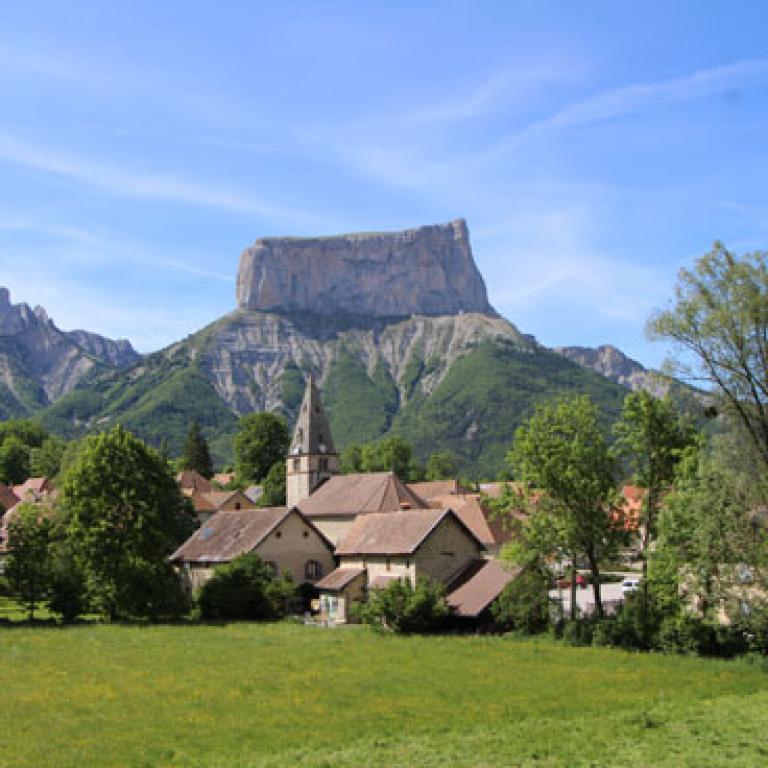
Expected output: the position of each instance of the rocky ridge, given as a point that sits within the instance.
(424, 271)
(39, 362)
(612, 363)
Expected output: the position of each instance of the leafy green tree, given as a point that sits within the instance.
(68, 596)
(261, 441)
(720, 320)
(196, 454)
(524, 604)
(29, 565)
(31, 433)
(246, 588)
(274, 486)
(14, 461)
(441, 465)
(45, 461)
(562, 451)
(392, 454)
(406, 609)
(125, 515)
(651, 437)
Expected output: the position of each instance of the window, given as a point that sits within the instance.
(238, 505)
(279, 535)
(389, 564)
(305, 534)
(296, 465)
(313, 570)
(324, 465)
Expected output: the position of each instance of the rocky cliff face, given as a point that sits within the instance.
(424, 271)
(39, 363)
(616, 366)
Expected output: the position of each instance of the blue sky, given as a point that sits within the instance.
(593, 148)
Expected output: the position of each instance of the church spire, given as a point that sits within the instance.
(312, 434)
(312, 457)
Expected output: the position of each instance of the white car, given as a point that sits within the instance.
(628, 586)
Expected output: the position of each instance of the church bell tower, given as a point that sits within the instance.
(312, 457)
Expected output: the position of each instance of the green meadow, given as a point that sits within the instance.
(288, 695)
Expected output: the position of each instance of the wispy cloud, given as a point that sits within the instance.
(634, 98)
(496, 89)
(149, 186)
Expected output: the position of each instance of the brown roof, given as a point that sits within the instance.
(224, 478)
(8, 498)
(192, 480)
(336, 580)
(491, 529)
(353, 494)
(33, 487)
(230, 534)
(433, 488)
(383, 580)
(393, 533)
(478, 586)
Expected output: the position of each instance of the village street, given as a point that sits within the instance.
(585, 598)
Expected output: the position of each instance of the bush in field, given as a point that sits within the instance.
(246, 588)
(404, 608)
(524, 603)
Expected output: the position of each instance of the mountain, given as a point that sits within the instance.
(396, 327)
(40, 363)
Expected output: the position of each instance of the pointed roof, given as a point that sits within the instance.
(312, 434)
(359, 493)
(395, 533)
(191, 480)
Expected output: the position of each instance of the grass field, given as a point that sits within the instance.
(284, 695)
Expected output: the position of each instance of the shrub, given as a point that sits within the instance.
(69, 593)
(403, 608)
(524, 603)
(246, 588)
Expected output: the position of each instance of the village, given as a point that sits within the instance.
(344, 535)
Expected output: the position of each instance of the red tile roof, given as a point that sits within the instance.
(192, 480)
(431, 488)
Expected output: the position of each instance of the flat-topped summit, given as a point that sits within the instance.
(425, 271)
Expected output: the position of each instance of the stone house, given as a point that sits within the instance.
(407, 544)
(282, 537)
(207, 504)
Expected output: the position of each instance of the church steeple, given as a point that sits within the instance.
(312, 433)
(312, 456)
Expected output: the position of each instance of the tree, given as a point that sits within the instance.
(29, 565)
(196, 454)
(404, 608)
(45, 461)
(274, 486)
(524, 603)
(125, 515)
(652, 437)
(720, 319)
(562, 452)
(261, 441)
(441, 465)
(245, 588)
(14, 461)
(393, 454)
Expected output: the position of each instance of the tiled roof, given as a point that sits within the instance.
(432, 488)
(353, 494)
(33, 487)
(629, 513)
(478, 586)
(383, 580)
(192, 480)
(393, 533)
(336, 580)
(230, 534)
(491, 529)
(8, 498)
(224, 478)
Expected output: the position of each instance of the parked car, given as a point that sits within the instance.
(628, 586)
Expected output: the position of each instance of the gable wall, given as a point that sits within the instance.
(448, 549)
